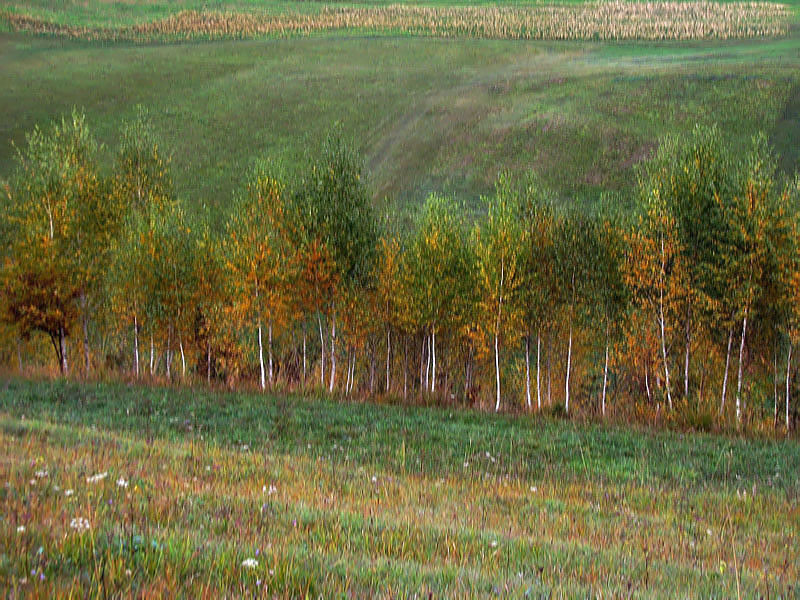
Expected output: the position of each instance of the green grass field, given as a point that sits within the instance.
(427, 114)
(353, 500)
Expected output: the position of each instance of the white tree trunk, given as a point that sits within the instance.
(422, 366)
(322, 349)
(538, 372)
(605, 377)
(405, 367)
(662, 325)
(725, 375)
(62, 341)
(388, 356)
(347, 379)
(152, 355)
(85, 327)
(528, 370)
(686, 356)
(333, 353)
(788, 383)
(497, 370)
(497, 334)
(428, 362)
(569, 365)
(136, 346)
(183, 358)
(433, 366)
(263, 379)
(353, 372)
(647, 382)
(208, 360)
(775, 386)
(739, 378)
(549, 370)
(304, 355)
(269, 349)
(169, 351)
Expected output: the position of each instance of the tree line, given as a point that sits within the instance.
(688, 305)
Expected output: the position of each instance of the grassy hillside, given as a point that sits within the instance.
(349, 499)
(429, 115)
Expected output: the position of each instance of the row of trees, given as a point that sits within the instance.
(305, 286)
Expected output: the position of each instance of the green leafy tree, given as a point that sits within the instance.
(499, 243)
(339, 231)
(142, 188)
(688, 176)
(258, 259)
(59, 220)
(441, 277)
(538, 288)
(609, 294)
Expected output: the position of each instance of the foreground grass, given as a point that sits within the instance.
(350, 499)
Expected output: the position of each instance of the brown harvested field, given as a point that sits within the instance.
(591, 21)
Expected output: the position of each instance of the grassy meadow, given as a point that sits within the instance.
(176, 489)
(428, 115)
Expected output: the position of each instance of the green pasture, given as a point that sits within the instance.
(427, 114)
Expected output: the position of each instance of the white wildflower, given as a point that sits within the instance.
(41, 474)
(533, 489)
(374, 479)
(249, 563)
(493, 544)
(272, 490)
(122, 483)
(21, 529)
(80, 524)
(708, 532)
(32, 482)
(98, 477)
(69, 492)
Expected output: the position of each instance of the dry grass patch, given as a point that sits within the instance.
(591, 21)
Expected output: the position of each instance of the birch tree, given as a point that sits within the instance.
(53, 193)
(574, 240)
(257, 261)
(610, 298)
(141, 185)
(440, 277)
(339, 223)
(499, 247)
(537, 291)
